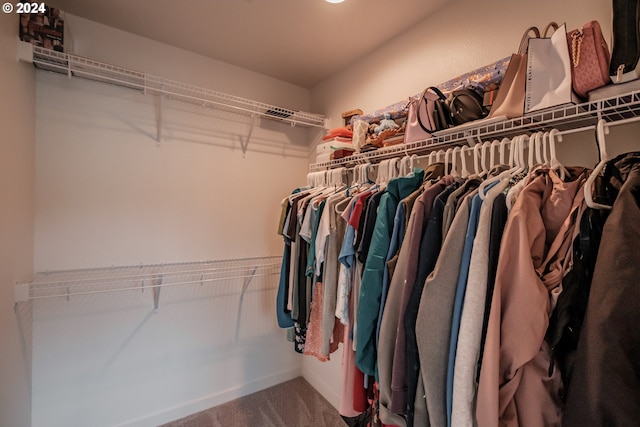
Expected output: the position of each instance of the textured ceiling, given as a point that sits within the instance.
(303, 42)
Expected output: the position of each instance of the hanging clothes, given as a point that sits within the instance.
(474, 302)
(403, 282)
(322, 335)
(283, 314)
(369, 301)
(462, 312)
(516, 385)
(605, 384)
(434, 314)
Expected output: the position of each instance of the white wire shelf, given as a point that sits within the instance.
(78, 66)
(72, 283)
(563, 118)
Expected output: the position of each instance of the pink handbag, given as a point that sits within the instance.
(589, 58)
(421, 118)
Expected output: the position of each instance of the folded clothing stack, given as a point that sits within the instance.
(326, 151)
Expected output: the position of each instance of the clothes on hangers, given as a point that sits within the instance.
(605, 385)
(406, 266)
(369, 301)
(516, 384)
(463, 312)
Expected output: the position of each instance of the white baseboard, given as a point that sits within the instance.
(206, 402)
(327, 390)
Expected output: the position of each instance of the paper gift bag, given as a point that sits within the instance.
(548, 81)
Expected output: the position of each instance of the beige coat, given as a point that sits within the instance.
(515, 386)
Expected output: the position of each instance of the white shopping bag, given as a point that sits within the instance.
(548, 81)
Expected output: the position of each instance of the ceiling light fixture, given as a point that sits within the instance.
(334, 1)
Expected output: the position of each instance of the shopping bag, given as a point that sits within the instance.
(548, 81)
(509, 102)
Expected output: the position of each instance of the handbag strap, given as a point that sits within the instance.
(548, 27)
(422, 99)
(524, 42)
(437, 92)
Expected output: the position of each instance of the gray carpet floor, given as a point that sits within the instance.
(293, 403)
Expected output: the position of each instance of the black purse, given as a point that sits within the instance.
(625, 52)
(465, 105)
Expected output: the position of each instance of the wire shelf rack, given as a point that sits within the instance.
(86, 68)
(71, 283)
(563, 118)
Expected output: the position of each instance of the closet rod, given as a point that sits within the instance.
(77, 66)
(625, 121)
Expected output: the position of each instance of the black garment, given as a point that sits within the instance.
(370, 222)
(499, 216)
(361, 420)
(292, 229)
(362, 222)
(301, 281)
(566, 321)
(430, 245)
(605, 386)
(300, 337)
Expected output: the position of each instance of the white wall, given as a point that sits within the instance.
(17, 112)
(458, 38)
(107, 193)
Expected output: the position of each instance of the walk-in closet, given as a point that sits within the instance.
(179, 248)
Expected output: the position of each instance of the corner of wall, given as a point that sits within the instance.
(17, 165)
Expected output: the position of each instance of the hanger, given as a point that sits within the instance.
(601, 130)
(463, 160)
(454, 161)
(382, 167)
(516, 155)
(449, 162)
(404, 165)
(538, 148)
(522, 143)
(532, 151)
(554, 163)
(506, 175)
(512, 151)
(495, 144)
(393, 168)
(476, 158)
(408, 165)
(503, 146)
(544, 148)
(433, 157)
(485, 157)
(366, 169)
